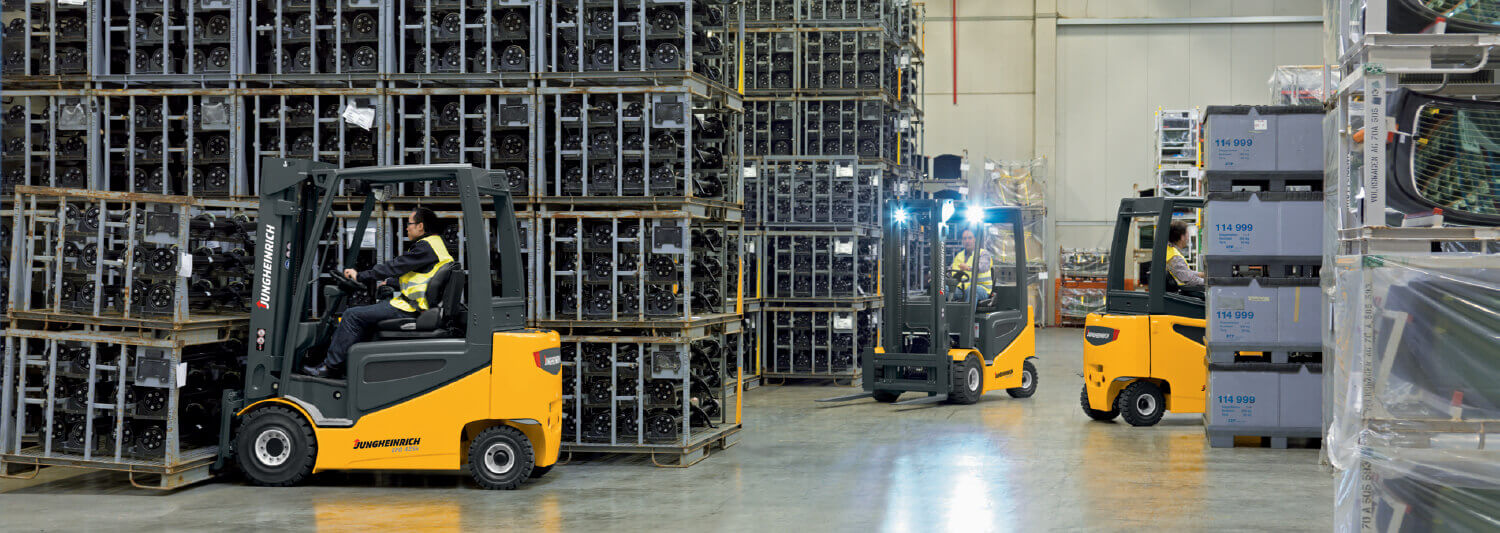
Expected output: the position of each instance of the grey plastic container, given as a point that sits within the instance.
(1263, 224)
(1270, 313)
(1263, 138)
(1264, 399)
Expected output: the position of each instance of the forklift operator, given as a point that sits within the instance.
(411, 270)
(1186, 277)
(983, 278)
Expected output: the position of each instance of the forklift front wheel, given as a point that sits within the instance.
(501, 458)
(1028, 382)
(1141, 403)
(275, 447)
(885, 396)
(968, 381)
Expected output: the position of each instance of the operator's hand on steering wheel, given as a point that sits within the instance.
(351, 274)
(346, 282)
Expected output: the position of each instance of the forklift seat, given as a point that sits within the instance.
(436, 321)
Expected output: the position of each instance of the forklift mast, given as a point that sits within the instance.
(297, 205)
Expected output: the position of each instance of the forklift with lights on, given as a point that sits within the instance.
(941, 337)
(462, 383)
(1145, 355)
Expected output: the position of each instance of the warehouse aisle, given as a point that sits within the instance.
(1004, 464)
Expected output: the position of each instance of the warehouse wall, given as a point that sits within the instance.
(1086, 99)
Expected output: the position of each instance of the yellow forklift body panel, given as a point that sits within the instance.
(1143, 347)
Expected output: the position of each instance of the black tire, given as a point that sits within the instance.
(968, 382)
(886, 396)
(275, 447)
(540, 471)
(1102, 416)
(500, 458)
(1028, 381)
(1141, 403)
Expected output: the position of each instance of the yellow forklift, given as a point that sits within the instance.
(940, 336)
(463, 383)
(1145, 355)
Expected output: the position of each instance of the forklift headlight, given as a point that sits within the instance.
(899, 216)
(974, 214)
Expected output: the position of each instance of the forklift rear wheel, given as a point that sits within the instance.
(885, 396)
(968, 381)
(500, 458)
(1028, 382)
(275, 447)
(1102, 416)
(1141, 403)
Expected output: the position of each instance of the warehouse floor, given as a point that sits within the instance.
(1002, 464)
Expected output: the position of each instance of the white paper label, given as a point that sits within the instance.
(963, 190)
(185, 266)
(964, 166)
(1260, 299)
(368, 241)
(905, 60)
(181, 374)
(1261, 125)
(358, 116)
(843, 322)
(844, 172)
(750, 172)
(1041, 275)
(750, 247)
(843, 248)
(906, 123)
(72, 2)
(989, 166)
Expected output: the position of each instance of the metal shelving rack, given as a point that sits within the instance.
(1385, 448)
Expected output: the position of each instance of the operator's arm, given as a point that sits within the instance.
(417, 257)
(1185, 275)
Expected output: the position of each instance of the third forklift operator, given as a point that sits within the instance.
(964, 261)
(412, 270)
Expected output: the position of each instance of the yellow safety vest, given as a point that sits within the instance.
(981, 275)
(414, 284)
(1173, 252)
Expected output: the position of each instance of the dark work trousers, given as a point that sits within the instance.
(357, 325)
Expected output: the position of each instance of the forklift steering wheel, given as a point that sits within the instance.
(349, 286)
(957, 277)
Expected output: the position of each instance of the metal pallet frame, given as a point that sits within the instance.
(156, 364)
(588, 42)
(154, 224)
(591, 146)
(830, 336)
(45, 140)
(61, 58)
(827, 266)
(671, 237)
(620, 372)
(820, 193)
(169, 43)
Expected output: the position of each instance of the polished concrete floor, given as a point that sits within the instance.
(1001, 465)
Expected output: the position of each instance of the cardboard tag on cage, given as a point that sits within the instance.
(359, 116)
(72, 2)
(182, 374)
(843, 247)
(185, 266)
(750, 172)
(844, 171)
(843, 321)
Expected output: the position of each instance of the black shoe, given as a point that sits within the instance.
(325, 371)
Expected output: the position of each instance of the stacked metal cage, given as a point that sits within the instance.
(639, 216)
(1410, 280)
(832, 129)
(126, 321)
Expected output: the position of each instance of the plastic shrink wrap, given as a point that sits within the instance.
(1415, 422)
